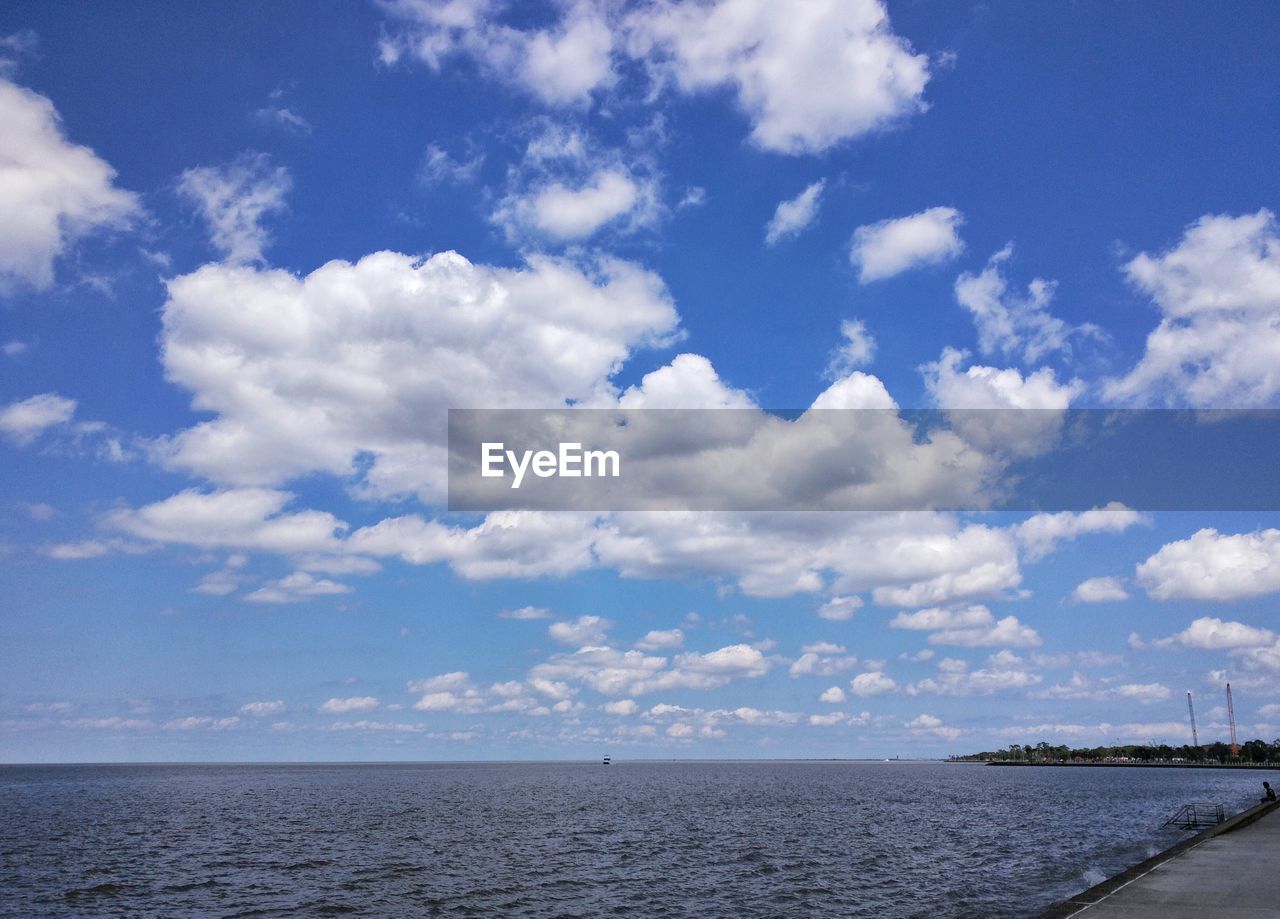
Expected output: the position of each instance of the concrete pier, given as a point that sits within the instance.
(1228, 872)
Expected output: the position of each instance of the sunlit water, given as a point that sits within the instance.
(557, 839)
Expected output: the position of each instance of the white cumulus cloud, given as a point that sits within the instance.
(52, 191)
(832, 695)
(659, 639)
(971, 626)
(1212, 634)
(307, 374)
(808, 73)
(872, 683)
(585, 630)
(1012, 324)
(1213, 566)
(795, 214)
(296, 587)
(24, 421)
(262, 709)
(1218, 341)
(352, 704)
(882, 250)
(1100, 590)
(234, 199)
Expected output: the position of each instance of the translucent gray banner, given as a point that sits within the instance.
(863, 459)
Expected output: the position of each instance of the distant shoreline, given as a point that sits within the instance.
(1254, 766)
(486, 762)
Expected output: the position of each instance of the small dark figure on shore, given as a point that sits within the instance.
(1271, 792)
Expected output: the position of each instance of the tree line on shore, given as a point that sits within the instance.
(1253, 751)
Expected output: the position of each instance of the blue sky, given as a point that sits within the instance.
(231, 323)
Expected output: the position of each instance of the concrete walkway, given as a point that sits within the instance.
(1231, 872)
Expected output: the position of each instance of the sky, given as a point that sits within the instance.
(251, 255)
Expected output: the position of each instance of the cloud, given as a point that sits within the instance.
(262, 709)
(585, 630)
(1081, 687)
(975, 398)
(507, 544)
(1002, 673)
(363, 360)
(76, 551)
(1008, 632)
(872, 683)
(606, 670)
(621, 707)
(112, 723)
(281, 116)
(982, 387)
(1100, 590)
(394, 727)
(840, 609)
(904, 559)
(352, 704)
(971, 394)
(439, 167)
(287, 403)
(52, 192)
(689, 381)
(882, 250)
(824, 647)
(241, 518)
(706, 721)
(567, 187)
(829, 720)
(1042, 533)
(200, 722)
(560, 65)
(857, 350)
(932, 724)
(24, 421)
(1011, 324)
(936, 618)
(552, 689)
(296, 587)
(1212, 634)
(795, 214)
(223, 582)
(972, 626)
(1211, 566)
(613, 672)
(456, 679)
(1218, 341)
(17, 45)
(832, 695)
(525, 612)
(661, 639)
(455, 692)
(808, 73)
(564, 212)
(822, 659)
(234, 199)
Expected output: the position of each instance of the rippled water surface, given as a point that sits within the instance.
(564, 839)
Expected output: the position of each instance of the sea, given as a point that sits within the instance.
(645, 839)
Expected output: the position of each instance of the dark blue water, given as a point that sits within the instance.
(525, 839)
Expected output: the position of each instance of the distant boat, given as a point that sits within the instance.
(607, 761)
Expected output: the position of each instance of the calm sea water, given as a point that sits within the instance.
(526, 839)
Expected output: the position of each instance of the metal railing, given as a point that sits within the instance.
(1197, 814)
